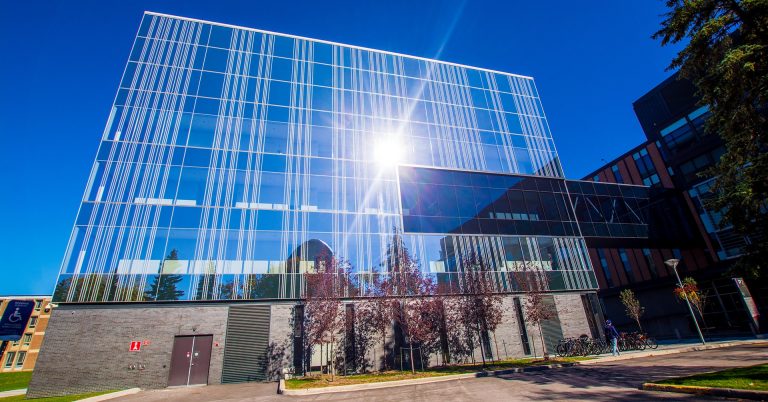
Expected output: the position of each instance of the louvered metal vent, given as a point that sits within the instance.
(245, 351)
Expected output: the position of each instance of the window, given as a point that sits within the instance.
(627, 266)
(26, 340)
(604, 265)
(651, 180)
(38, 305)
(651, 264)
(20, 359)
(617, 174)
(9, 357)
(596, 177)
(32, 322)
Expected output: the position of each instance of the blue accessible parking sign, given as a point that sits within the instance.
(14, 319)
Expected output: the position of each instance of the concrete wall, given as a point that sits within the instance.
(86, 348)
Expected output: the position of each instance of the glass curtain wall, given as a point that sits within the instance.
(233, 157)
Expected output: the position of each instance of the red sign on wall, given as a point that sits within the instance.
(135, 346)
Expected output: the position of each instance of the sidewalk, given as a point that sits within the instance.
(605, 358)
(13, 392)
(672, 348)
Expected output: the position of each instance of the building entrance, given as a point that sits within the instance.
(190, 360)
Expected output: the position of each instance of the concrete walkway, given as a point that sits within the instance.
(601, 380)
(13, 392)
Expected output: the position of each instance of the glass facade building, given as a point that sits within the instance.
(233, 157)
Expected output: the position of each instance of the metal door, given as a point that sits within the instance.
(190, 360)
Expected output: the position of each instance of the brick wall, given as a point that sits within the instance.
(86, 348)
(573, 317)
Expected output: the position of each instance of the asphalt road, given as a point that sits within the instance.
(594, 382)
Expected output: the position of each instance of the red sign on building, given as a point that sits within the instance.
(135, 346)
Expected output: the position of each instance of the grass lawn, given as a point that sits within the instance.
(753, 378)
(10, 381)
(67, 398)
(324, 380)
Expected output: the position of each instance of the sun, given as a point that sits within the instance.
(389, 151)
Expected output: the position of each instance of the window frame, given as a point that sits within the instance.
(21, 357)
(10, 358)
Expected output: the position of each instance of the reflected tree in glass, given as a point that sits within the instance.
(165, 287)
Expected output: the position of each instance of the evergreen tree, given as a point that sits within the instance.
(164, 287)
(726, 57)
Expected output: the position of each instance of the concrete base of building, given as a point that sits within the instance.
(100, 347)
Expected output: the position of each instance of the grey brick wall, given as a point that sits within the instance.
(573, 317)
(86, 349)
(280, 338)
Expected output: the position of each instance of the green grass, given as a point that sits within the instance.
(11, 381)
(324, 380)
(66, 398)
(752, 378)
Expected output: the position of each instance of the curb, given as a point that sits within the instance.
(663, 352)
(707, 391)
(415, 381)
(13, 392)
(111, 395)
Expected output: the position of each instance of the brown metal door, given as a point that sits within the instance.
(201, 360)
(190, 360)
(180, 360)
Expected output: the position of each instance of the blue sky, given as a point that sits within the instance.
(62, 62)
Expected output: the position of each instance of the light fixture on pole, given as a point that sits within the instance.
(673, 264)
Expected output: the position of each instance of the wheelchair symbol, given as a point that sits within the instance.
(16, 316)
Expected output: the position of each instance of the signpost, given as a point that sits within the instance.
(14, 319)
(749, 302)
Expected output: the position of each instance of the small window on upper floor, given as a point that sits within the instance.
(617, 174)
(9, 358)
(32, 322)
(20, 359)
(38, 305)
(26, 340)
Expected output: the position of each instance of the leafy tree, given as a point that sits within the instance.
(380, 316)
(691, 292)
(479, 305)
(62, 287)
(535, 284)
(409, 292)
(726, 57)
(165, 287)
(632, 306)
(325, 288)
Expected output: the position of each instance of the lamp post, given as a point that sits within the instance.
(673, 264)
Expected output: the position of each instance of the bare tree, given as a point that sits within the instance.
(535, 283)
(632, 306)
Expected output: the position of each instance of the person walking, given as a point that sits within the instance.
(613, 335)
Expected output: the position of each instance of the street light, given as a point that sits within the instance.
(673, 263)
